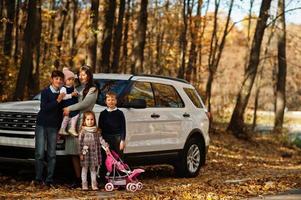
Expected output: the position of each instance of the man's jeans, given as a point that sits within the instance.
(42, 135)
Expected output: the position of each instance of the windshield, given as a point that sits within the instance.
(105, 85)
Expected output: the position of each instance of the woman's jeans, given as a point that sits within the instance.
(43, 135)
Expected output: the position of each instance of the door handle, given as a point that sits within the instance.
(186, 115)
(154, 115)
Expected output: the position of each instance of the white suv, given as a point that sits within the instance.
(166, 122)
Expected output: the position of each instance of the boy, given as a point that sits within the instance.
(47, 125)
(112, 124)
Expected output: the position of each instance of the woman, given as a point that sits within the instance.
(88, 93)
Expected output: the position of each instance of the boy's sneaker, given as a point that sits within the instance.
(62, 131)
(73, 132)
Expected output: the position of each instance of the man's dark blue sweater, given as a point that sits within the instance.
(51, 113)
(112, 123)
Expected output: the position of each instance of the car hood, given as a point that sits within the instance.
(32, 106)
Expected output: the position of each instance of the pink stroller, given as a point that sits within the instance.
(119, 174)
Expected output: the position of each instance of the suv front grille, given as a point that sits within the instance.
(18, 121)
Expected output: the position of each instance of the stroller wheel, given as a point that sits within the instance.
(109, 187)
(128, 186)
(133, 187)
(139, 186)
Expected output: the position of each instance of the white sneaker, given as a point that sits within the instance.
(63, 132)
(85, 185)
(73, 132)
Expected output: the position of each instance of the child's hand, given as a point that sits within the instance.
(60, 97)
(66, 111)
(74, 94)
(122, 145)
(107, 150)
(81, 157)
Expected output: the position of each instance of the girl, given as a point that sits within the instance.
(69, 99)
(90, 156)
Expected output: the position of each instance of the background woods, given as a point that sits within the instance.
(198, 40)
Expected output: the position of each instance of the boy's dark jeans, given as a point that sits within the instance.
(43, 135)
(114, 142)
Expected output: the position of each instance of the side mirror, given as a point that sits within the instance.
(136, 103)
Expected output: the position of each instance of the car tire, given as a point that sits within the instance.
(190, 159)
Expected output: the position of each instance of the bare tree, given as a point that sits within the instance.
(8, 37)
(125, 37)
(236, 125)
(92, 38)
(109, 18)
(72, 39)
(50, 27)
(281, 75)
(140, 38)
(216, 49)
(16, 51)
(30, 42)
(64, 13)
(183, 39)
(194, 32)
(118, 37)
(258, 82)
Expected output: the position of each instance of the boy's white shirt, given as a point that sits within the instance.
(63, 90)
(110, 110)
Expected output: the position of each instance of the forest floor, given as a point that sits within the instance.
(235, 169)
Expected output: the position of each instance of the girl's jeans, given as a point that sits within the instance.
(43, 135)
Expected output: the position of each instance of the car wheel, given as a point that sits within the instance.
(190, 159)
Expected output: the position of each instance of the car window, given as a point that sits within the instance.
(167, 96)
(141, 90)
(106, 85)
(193, 96)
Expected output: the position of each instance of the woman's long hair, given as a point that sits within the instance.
(90, 82)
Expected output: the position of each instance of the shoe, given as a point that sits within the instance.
(63, 132)
(85, 185)
(50, 185)
(73, 132)
(76, 184)
(37, 183)
(94, 186)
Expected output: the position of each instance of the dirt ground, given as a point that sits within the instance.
(235, 169)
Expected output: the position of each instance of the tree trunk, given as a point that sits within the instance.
(193, 46)
(110, 6)
(1, 16)
(281, 75)
(34, 78)
(249, 33)
(28, 49)
(258, 83)
(237, 120)
(16, 51)
(216, 50)
(73, 8)
(125, 37)
(61, 34)
(139, 42)
(8, 37)
(183, 39)
(48, 38)
(118, 38)
(92, 38)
